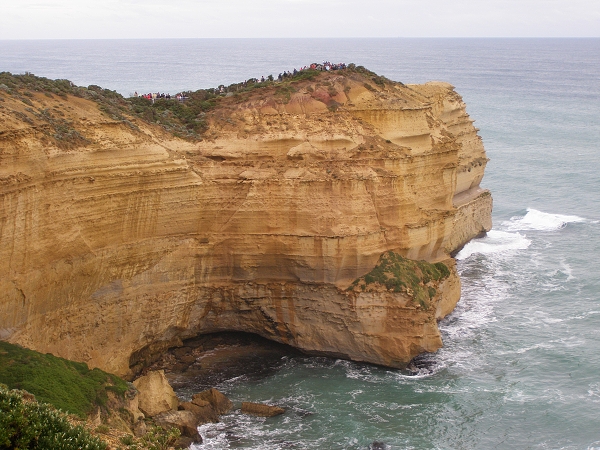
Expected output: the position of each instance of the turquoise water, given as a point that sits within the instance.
(521, 362)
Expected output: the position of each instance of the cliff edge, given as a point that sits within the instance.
(118, 239)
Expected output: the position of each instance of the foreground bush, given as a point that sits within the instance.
(67, 385)
(26, 424)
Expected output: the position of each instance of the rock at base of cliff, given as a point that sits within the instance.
(218, 401)
(156, 394)
(259, 409)
(203, 411)
(377, 445)
(184, 421)
(140, 428)
(184, 442)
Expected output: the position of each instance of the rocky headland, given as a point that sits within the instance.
(320, 212)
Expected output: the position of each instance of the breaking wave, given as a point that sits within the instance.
(507, 237)
(494, 242)
(539, 221)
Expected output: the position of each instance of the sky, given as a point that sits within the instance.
(118, 19)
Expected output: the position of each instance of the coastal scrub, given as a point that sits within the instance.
(67, 385)
(399, 274)
(27, 424)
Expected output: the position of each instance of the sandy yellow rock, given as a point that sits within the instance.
(155, 394)
(113, 251)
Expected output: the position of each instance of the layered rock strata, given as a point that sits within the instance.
(130, 240)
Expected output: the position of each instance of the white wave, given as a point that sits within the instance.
(539, 221)
(567, 270)
(494, 242)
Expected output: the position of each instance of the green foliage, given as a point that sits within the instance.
(377, 79)
(29, 82)
(369, 87)
(400, 274)
(306, 75)
(285, 92)
(184, 119)
(102, 429)
(158, 439)
(67, 385)
(35, 426)
(127, 440)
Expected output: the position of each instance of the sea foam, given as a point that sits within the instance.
(539, 221)
(494, 242)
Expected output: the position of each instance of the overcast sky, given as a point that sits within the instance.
(85, 19)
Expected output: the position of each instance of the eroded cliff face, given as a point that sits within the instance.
(128, 240)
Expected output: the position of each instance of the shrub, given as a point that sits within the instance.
(285, 92)
(127, 440)
(159, 439)
(67, 385)
(399, 274)
(369, 87)
(31, 425)
(102, 429)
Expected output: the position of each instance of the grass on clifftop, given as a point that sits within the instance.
(182, 119)
(399, 274)
(66, 385)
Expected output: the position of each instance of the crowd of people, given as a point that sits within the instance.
(222, 89)
(325, 66)
(157, 95)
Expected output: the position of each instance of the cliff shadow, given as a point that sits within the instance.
(208, 360)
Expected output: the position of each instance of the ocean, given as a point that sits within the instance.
(521, 363)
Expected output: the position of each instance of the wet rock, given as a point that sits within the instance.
(182, 351)
(259, 409)
(199, 402)
(218, 401)
(185, 442)
(185, 421)
(204, 412)
(188, 359)
(377, 445)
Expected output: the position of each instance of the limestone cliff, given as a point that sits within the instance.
(125, 240)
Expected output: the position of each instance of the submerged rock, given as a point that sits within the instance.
(260, 409)
(377, 445)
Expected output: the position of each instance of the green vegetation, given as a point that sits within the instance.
(377, 79)
(67, 385)
(285, 92)
(183, 119)
(159, 439)
(400, 274)
(155, 439)
(26, 424)
(369, 87)
(304, 75)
